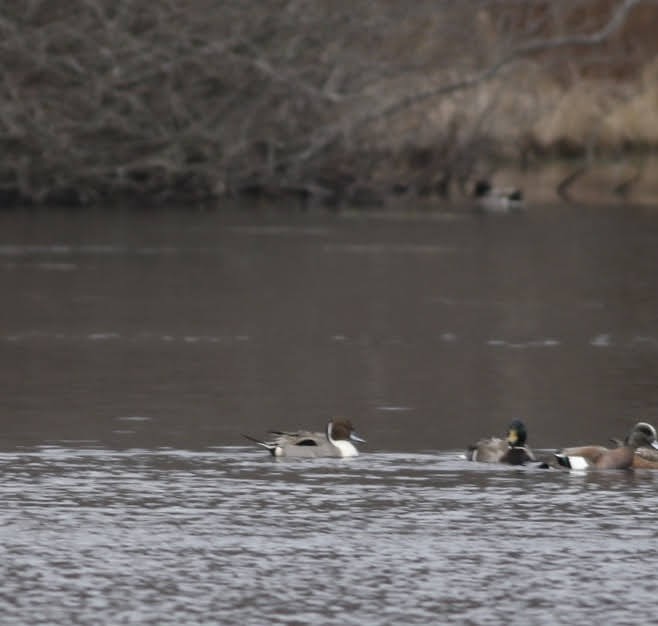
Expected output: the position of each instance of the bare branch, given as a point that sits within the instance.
(139, 95)
(517, 53)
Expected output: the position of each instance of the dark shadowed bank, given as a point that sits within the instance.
(327, 102)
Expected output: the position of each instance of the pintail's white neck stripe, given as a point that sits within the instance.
(345, 447)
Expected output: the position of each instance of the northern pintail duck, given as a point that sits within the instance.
(336, 441)
(494, 200)
(512, 450)
(641, 437)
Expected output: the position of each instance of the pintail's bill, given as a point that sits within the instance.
(356, 438)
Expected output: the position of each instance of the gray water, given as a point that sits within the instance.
(135, 348)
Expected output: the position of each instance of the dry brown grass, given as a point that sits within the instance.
(634, 119)
(601, 115)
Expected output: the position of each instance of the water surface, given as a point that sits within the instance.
(230, 536)
(135, 348)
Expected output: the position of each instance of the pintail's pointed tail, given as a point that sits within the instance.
(271, 447)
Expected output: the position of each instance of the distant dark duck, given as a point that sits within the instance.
(641, 441)
(497, 200)
(512, 450)
(336, 441)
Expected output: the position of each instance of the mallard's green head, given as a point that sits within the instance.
(517, 434)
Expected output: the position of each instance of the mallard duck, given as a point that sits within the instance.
(512, 450)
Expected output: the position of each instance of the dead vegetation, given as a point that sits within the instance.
(329, 100)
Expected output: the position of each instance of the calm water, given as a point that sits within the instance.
(136, 348)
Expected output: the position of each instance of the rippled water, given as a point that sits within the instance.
(230, 536)
(136, 348)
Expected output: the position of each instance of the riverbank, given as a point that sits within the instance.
(351, 103)
(632, 180)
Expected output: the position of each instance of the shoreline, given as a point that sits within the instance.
(632, 180)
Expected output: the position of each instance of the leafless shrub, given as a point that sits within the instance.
(193, 99)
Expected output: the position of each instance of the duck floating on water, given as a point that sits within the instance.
(336, 441)
(512, 450)
(639, 449)
(497, 200)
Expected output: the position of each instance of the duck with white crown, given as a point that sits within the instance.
(638, 450)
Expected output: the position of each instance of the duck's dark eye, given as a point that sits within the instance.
(307, 442)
